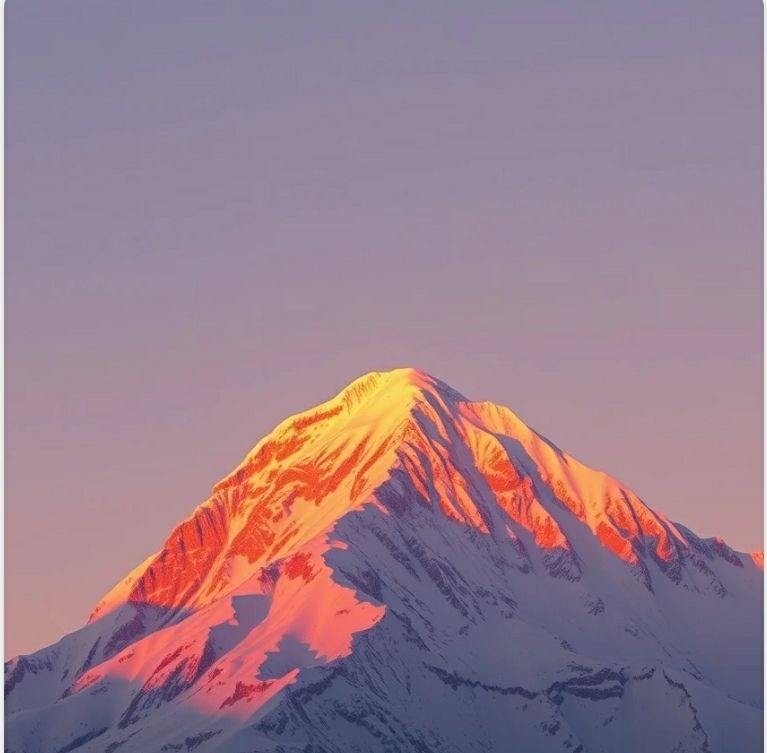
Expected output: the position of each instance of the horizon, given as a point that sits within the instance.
(557, 211)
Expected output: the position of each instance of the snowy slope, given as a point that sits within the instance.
(401, 569)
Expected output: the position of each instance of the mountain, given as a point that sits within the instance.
(404, 570)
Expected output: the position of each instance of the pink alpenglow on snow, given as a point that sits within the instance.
(404, 569)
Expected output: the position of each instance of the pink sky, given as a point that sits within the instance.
(218, 216)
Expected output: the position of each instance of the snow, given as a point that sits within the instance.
(402, 569)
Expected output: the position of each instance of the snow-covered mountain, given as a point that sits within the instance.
(402, 569)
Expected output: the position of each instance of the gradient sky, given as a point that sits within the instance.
(219, 214)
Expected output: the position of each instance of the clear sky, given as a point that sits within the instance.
(218, 214)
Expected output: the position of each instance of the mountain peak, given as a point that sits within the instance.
(399, 533)
(476, 463)
(400, 385)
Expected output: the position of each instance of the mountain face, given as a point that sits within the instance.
(404, 570)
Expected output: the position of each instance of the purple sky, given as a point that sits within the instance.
(218, 214)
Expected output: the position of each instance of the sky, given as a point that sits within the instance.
(219, 214)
